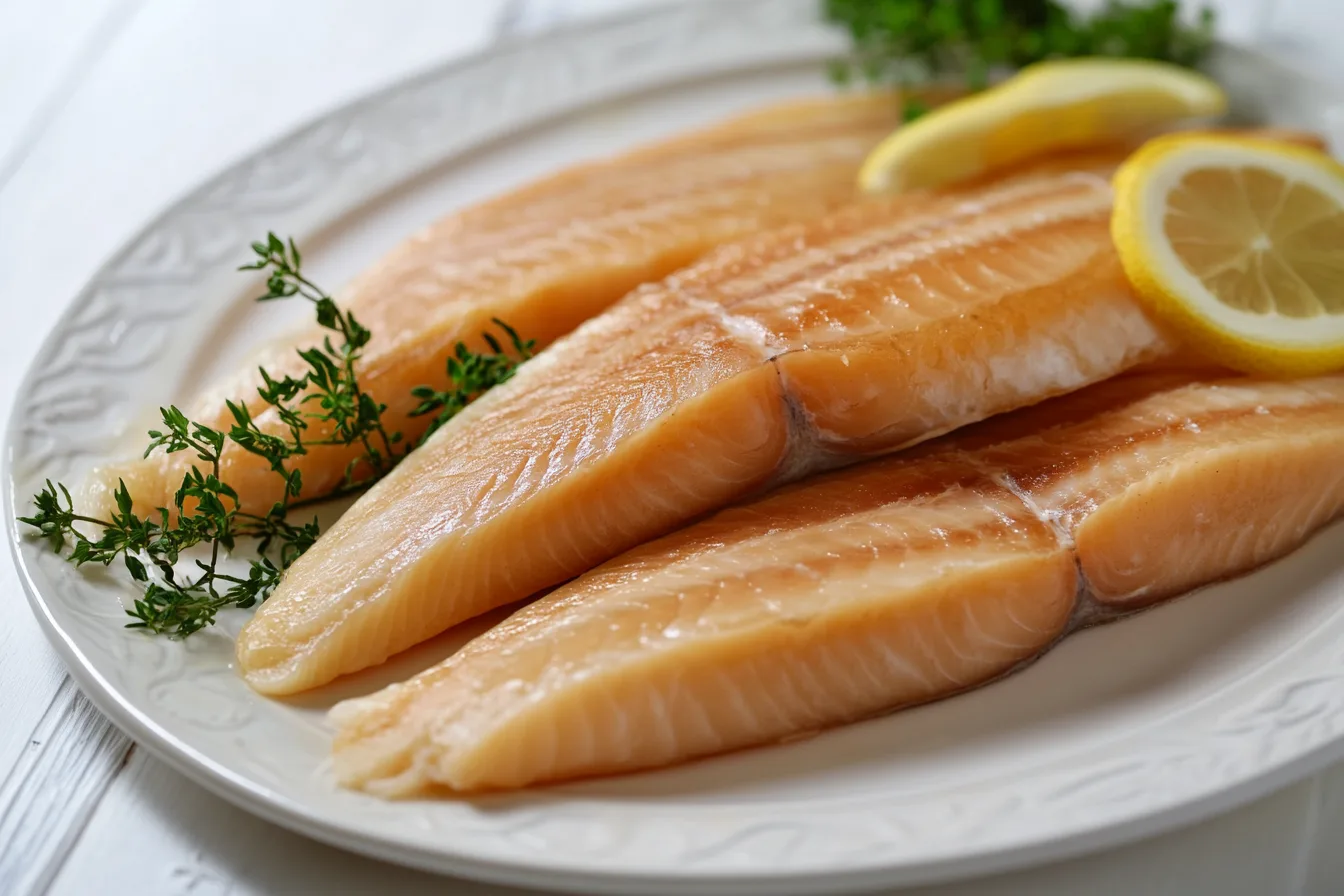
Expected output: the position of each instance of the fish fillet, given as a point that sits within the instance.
(809, 347)
(543, 258)
(887, 584)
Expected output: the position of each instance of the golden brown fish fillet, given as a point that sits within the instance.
(545, 258)
(896, 582)
(815, 345)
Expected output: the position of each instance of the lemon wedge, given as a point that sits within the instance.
(1061, 104)
(1238, 243)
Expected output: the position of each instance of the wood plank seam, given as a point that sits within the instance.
(73, 755)
(69, 81)
(1300, 870)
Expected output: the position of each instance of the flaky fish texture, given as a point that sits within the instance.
(896, 582)
(809, 347)
(544, 259)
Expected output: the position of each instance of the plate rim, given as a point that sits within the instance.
(528, 870)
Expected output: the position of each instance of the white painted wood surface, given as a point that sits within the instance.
(111, 108)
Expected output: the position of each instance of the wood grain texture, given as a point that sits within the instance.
(37, 75)
(57, 754)
(158, 833)
(53, 789)
(29, 669)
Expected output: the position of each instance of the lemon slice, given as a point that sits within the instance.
(1239, 244)
(1063, 104)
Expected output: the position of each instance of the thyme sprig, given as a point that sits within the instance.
(205, 512)
(471, 374)
(324, 406)
(351, 414)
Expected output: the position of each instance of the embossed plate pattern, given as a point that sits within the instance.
(1123, 731)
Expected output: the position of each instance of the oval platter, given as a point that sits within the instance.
(1121, 732)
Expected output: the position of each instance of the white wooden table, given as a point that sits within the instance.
(111, 108)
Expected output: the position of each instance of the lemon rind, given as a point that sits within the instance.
(956, 131)
(1256, 343)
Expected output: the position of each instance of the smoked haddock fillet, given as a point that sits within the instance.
(809, 347)
(887, 584)
(544, 258)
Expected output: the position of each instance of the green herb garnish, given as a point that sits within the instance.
(352, 415)
(324, 406)
(907, 43)
(471, 374)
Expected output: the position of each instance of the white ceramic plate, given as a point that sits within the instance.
(1124, 731)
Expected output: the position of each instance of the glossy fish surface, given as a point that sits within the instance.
(895, 582)
(543, 258)
(805, 348)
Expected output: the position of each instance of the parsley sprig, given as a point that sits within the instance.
(910, 42)
(324, 406)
